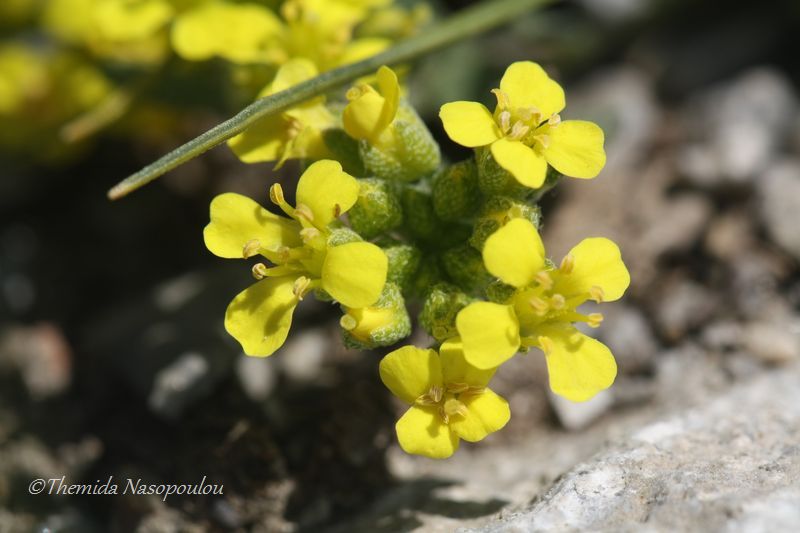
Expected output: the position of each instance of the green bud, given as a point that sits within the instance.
(500, 293)
(465, 267)
(427, 275)
(409, 154)
(341, 234)
(377, 209)
(345, 150)
(404, 261)
(496, 212)
(419, 216)
(455, 191)
(381, 324)
(494, 179)
(442, 304)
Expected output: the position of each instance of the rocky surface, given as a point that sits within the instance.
(732, 464)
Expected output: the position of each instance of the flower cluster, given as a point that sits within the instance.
(462, 239)
(132, 53)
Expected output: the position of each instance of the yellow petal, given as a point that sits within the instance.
(515, 253)
(469, 124)
(410, 372)
(389, 88)
(528, 167)
(355, 273)
(236, 220)
(327, 190)
(576, 149)
(363, 48)
(420, 431)
(527, 85)
(456, 369)
(242, 33)
(127, 21)
(260, 316)
(362, 116)
(263, 141)
(489, 333)
(486, 413)
(597, 262)
(291, 73)
(579, 366)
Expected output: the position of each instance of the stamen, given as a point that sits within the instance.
(594, 319)
(539, 305)
(505, 121)
(251, 248)
(546, 344)
(554, 120)
(453, 407)
(436, 392)
(558, 301)
(457, 388)
(443, 415)
(301, 287)
(597, 293)
(277, 198)
(473, 391)
(337, 211)
(544, 280)
(519, 130)
(348, 322)
(302, 210)
(544, 140)
(259, 271)
(567, 264)
(503, 101)
(309, 234)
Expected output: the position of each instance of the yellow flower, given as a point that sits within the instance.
(541, 311)
(369, 112)
(240, 33)
(525, 132)
(298, 247)
(449, 399)
(127, 30)
(294, 134)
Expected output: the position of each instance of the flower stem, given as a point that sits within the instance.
(466, 23)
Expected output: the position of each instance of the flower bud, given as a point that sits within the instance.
(439, 311)
(404, 261)
(455, 191)
(465, 267)
(496, 212)
(407, 153)
(494, 179)
(382, 324)
(345, 150)
(419, 216)
(377, 209)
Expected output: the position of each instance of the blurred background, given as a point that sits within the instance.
(114, 361)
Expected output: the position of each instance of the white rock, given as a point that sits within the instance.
(779, 204)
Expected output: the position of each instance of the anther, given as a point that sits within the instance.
(251, 248)
(259, 271)
(597, 293)
(457, 388)
(558, 301)
(453, 407)
(301, 287)
(276, 194)
(539, 305)
(304, 211)
(554, 120)
(594, 319)
(544, 140)
(436, 393)
(505, 121)
(519, 130)
(567, 264)
(546, 344)
(443, 415)
(503, 101)
(309, 234)
(544, 280)
(348, 322)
